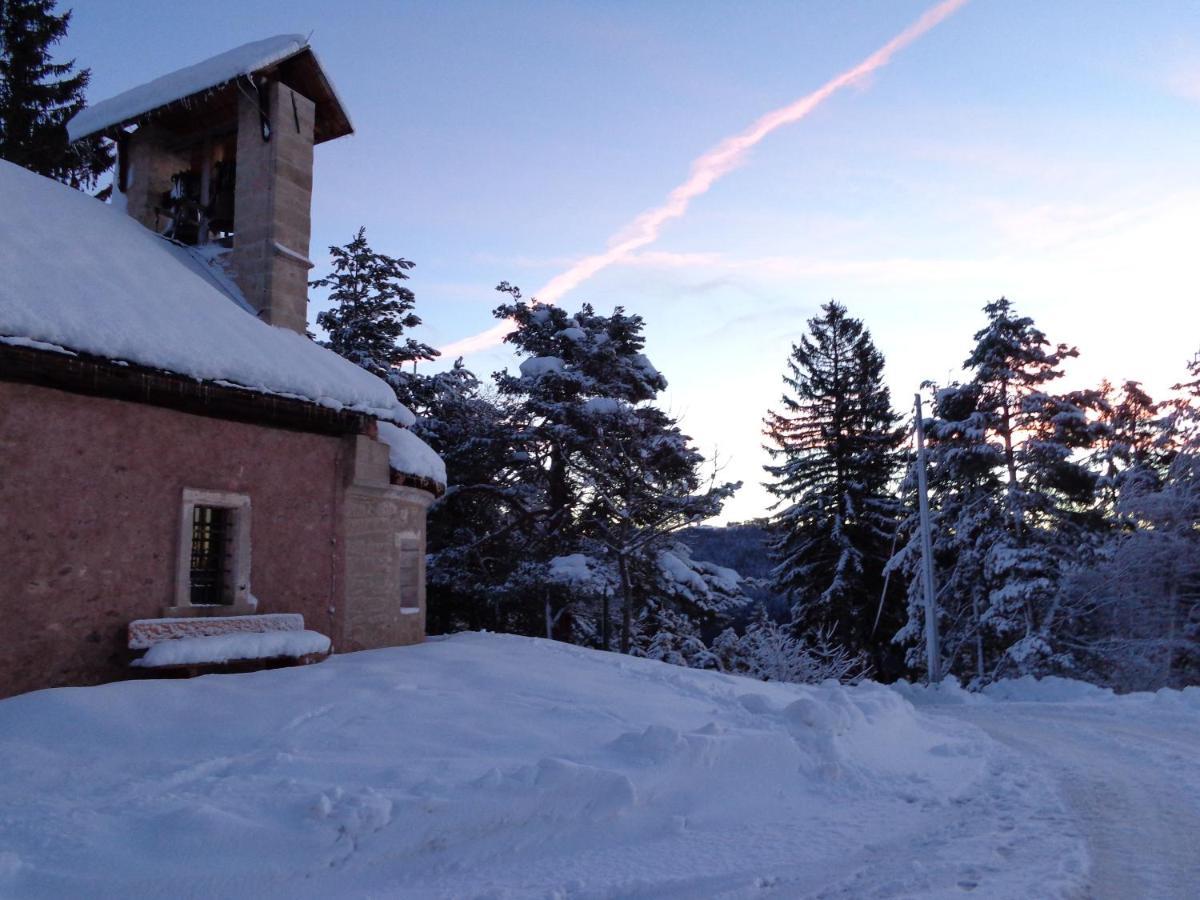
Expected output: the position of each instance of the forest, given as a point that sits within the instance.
(1064, 523)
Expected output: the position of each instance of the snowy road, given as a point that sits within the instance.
(1131, 783)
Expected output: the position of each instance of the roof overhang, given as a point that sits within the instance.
(209, 90)
(81, 373)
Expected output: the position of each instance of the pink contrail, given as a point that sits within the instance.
(705, 171)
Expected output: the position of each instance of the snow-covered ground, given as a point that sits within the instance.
(1128, 768)
(495, 766)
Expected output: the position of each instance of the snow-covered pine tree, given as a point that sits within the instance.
(615, 471)
(471, 538)
(1015, 504)
(836, 447)
(1142, 592)
(1136, 447)
(1050, 492)
(39, 96)
(371, 310)
(678, 598)
(967, 510)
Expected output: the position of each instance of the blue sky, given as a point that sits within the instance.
(1043, 151)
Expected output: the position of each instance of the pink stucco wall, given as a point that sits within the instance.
(90, 493)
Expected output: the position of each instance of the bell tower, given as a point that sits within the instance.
(219, 156)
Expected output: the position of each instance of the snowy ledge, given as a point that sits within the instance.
(409, 455)
(228, 647)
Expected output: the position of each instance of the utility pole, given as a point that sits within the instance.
(933, 654)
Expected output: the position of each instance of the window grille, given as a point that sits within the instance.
(211, 536)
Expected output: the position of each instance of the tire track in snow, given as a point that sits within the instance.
(1130, 783)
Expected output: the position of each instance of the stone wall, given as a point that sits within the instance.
(273, 198)
(384, 535)
(90, 495)
(151, 165)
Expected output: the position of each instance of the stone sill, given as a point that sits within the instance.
(215, 609)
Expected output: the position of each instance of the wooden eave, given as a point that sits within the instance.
(215, 107)
(417, 481)
(99, 377)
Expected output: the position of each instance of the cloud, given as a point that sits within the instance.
(710, 167)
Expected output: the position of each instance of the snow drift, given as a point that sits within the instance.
(500, 766)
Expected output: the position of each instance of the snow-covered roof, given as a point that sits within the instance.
(187, 82)
(81, 276)
(409, 454)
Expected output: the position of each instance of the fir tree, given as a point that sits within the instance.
(836, 445)
(372, 309)
(39, 96)
(1049, 489)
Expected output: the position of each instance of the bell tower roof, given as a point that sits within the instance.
(207, 92)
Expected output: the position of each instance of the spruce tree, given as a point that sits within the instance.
(39, 96)
(836, 445)
(372, 308)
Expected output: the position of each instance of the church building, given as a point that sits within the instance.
(173, 445)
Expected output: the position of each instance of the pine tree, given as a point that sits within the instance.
(1050, 492)
(372, 309)
(614, 471)
(1015, 502)
(472, 544)
(38, 97)
(967, 510)
(1135, 448)
(836, 443)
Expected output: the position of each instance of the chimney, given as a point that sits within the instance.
(221, 154)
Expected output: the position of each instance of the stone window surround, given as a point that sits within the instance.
(409, 542)
(243, 603)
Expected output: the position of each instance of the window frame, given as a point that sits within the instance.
(409, 546)
(238, 544)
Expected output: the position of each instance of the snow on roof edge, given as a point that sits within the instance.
(201, 76)
(410, 455)
(82, 276)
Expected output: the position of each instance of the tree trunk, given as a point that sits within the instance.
(1010, 462)
(626, 603)
(1172, 620)
(978, 637)
(604, 624)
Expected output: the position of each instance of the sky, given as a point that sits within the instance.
(1041, 151)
